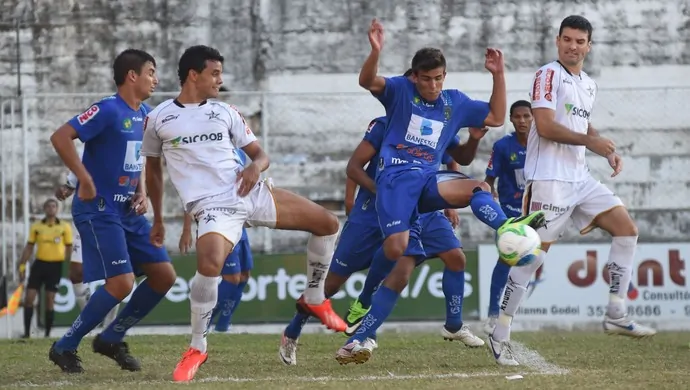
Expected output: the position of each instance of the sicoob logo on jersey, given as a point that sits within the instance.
(175, 142)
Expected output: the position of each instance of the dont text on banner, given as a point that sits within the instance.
(573, 283)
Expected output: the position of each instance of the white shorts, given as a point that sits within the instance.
(227, 213)
(561, 201)
(76, 248)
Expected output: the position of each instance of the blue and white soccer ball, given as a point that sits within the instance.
(518, 245)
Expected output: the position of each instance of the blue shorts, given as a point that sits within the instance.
(510, 211)
(359, 242)
(438, 235)
(403, 193)
(113, 246)
(240, 259)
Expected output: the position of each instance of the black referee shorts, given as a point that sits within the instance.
(45, 273)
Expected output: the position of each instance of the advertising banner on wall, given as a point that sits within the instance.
(573, 284)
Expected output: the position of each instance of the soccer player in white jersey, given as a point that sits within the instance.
(560, 184)
(81, 290)
(198, 138)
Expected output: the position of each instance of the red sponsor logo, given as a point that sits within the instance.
(88, 114)
(548, 84)
(536, 88)
(134, 182)
(420, 153)
(491, 161)
(536, 206)
(123, 181)
(371, 126)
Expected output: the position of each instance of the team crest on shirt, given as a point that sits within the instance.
(423, 131)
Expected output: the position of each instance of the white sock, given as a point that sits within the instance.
(621, 258)
(81, 294)
(319, 254)
(110, 317)
(203, 295)
(518, 279)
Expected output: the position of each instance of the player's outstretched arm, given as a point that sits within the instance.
(498, 102)
(368, 76)
(364, 152)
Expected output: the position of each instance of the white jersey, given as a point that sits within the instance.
(199, 143)
(572, 97)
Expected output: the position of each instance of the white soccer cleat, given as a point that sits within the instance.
(288, 351)
(355, 352)
(503, 352)
(370, 345)
(489, 325)
(624, 326)
(464, 334)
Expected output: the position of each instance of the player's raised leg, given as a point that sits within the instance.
(294, 212)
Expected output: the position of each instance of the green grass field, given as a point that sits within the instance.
(403, 361)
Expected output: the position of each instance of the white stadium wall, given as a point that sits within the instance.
(300, 61)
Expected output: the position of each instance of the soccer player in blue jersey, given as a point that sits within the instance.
(507, 164)
(361, 240)
(235, 272)
(109, 212)
(423, 121)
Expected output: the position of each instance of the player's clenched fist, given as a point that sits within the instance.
(87, 189)
(376, 35)
(157, 235)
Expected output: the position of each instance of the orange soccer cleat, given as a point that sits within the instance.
(324, 312)
(189, 364)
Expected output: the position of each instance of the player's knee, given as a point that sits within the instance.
(395, 245)
(233, 279)
(399, 277)
(329, 226)
(75, 273)
(454, 260)
(120, 286)
(484, 186)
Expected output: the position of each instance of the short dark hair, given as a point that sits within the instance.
(408, 73)
(577, 22)
(130, 59)
(520, 103)
(428, 58)
(194, 58)
(49, 201)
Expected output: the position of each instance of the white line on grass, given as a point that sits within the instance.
(389, 377)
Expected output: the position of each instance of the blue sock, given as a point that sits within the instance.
(143, 300)
(382, 304)
(98, 306)
(453, 285)
(228, 305)
(380, 268)
(294, 328)
(487, 210)
(499, 278)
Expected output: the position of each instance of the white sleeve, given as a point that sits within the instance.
(240, 133)
(72, 180)
(544, 91)
(152, 145)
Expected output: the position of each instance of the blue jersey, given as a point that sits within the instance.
(364, 210)
(112, 133)
(418, 131)
(507, 164)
